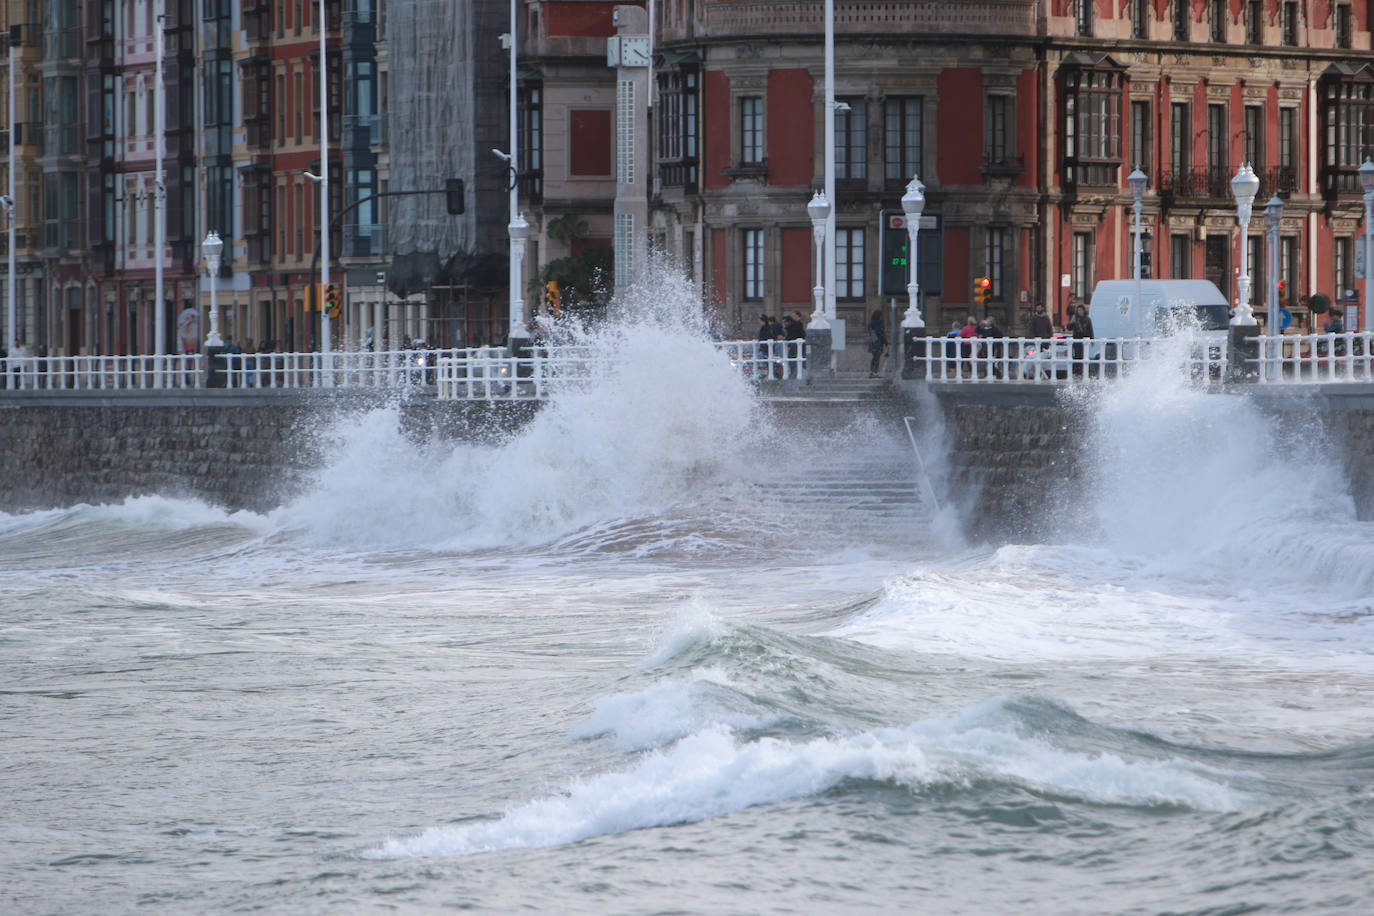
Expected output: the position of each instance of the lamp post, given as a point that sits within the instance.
(519, 230)
(1137, 182)
(1273, 216)
(326, 342)
(212, 248)
(12, 323)
(913, 202)
(1244, 186)
(830, 157)
(819, 211)
(159, 200)
(1366, 182)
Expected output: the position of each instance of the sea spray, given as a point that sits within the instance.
(663, 409)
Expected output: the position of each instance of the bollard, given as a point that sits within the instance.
(914, 353)
(215, 376)
(1243, 353)
(817, 353)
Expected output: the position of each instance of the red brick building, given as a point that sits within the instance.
(1022, 118)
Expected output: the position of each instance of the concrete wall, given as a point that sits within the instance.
(229, 449)
(1015, 452)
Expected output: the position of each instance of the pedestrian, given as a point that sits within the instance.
(877, 341)
(1040, 326)
(795, 332)
(967, 335)
(990, 337)
(1336, 325)
(1081, 326)
(764, 334)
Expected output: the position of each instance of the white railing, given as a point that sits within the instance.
(767, 359)
(1060, 360)
(101, 373)
(1294, 358)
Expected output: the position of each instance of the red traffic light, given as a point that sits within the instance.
(984, 282)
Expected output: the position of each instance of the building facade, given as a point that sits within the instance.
(1023, 118)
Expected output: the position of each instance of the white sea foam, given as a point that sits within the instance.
(712, 773)
(155, 513)
(670, 414)
(672, 709)
(693, 625)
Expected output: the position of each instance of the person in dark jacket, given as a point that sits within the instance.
(1081, 326)
(1040, 325)
(877, 341)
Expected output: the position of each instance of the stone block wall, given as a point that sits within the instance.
(235, 452)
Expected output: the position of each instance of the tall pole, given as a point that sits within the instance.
(12, 327)
(830, 158)
(1244, 186)
(518, 228)
(325, 335)
(819, 211)
(1273, 213)
(1137, 181)
(1367, 183)
(913, 205)
(159, 200)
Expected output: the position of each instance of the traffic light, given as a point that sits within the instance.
(1283, 291)
(895, 270)
(455, 196)
(982, 291)
(331, 300)
(553, 298)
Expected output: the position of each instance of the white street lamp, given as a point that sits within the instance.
(913, 202)
(819, 211)
(830, 156)
(1273, 216)
(519, 230)
(211, 249)
(1244, 186)
(1137, 181)
(1367, 182)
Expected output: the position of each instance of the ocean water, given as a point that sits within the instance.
(670, 650)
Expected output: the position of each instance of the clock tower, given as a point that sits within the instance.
(630, 52)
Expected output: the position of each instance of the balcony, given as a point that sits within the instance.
(26, 133)
(1203, 183)
(1095, 173)
(679, 173)
(364, 130)
(1338, 181)
(257, 132)
(872, 17)
(531, 183)
(364, 240)
(1004, 166)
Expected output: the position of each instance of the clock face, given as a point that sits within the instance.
(634, 51)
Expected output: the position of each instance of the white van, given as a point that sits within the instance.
(1155, 308)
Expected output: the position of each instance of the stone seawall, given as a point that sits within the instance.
(1016, 453)
(229, 449)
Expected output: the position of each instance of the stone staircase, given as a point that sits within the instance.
(859, 460)
(843, 389)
